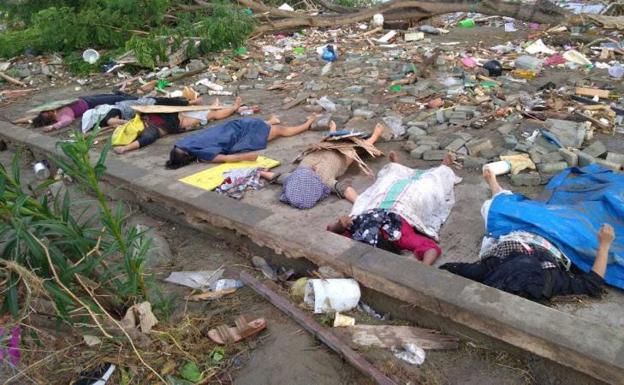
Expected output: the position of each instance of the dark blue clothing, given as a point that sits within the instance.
(232, 137)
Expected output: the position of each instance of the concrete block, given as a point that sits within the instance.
(523, 147)
(596, 149)
(464, 135)
(585, 159)
(415, 132)
(419, 151)
(437, 128)
(354, 90)
(418, 123)
(474, 162)
(434, 154)
(570, 134)
(607, 164)
(409, 146)
(362, 113)
(359, 102)
(489, 153)
(552, 167)
(526, 179)
(614, 157)
(440, 117)
(476, 146)
(536, 157)
(344, 101)
(552, 157)
(455, 145)
(570, 157)
(408, 100)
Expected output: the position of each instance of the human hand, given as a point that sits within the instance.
(49, 128)
(606, 235)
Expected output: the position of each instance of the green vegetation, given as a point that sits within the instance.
(147, 26)
(76, 254)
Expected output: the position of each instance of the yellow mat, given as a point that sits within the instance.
(212, 178)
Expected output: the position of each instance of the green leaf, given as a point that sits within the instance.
(191, 372)
(217, 355)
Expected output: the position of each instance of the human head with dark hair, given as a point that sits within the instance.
(179, 158)
(45, 118)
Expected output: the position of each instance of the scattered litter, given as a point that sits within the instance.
(91, 340)
(332, 295)
(411, 354)
(199, 280)
(140, 316)
(343, 321)
(226, 284)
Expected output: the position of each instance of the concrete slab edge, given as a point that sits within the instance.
(595, 350)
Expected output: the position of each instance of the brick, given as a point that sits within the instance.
(569, 156)
(476, 146)
(607, 164)
(434, 154)
(552, 167)
(526, 179)
(414, 133)
(596, 149)
(506, 128)
(409, 146)
(510, 141)
(523, 147)
(418, 123)
(552, 157)
(366, 114)
(489, 153)
(474, 162)
(536, 157)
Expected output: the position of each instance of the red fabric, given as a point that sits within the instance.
(156, 120)
(414, 242)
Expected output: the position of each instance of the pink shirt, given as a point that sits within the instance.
(66, 115)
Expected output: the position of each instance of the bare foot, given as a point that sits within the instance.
(491, 180)
(216, 103)
(311, 119)
(332, 126)
(119, 150)
(394, 158)
(274, 119)
(238, 102)
(449, 159)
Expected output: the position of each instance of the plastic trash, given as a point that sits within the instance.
(42, 170)
(429, 29)
(538, 46)
(327, 104)
(510, 27)
(328, 53)
(531, 63)
(286, 7)
(498, 168)
(298, 51)
(378, 20)
(343, 321)
(225, 284)
(469, 62)
(467, 23)
(575, 56)
(332, 295)
(411, 353)
(207, 83)
(326, 68)
(616, 71)
(524, 74)
(201, 280)
(494, 68)
(90, 56)
(554, 60)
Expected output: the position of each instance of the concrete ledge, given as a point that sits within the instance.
(590, 348)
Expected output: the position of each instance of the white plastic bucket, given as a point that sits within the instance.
(332, 295)
(91, 56)
(498, 168)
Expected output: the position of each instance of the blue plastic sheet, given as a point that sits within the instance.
(575, 204)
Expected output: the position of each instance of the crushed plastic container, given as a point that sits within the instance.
(498, 168)
(616, 71)
(332, 295)
(531, 63)
(467, 23)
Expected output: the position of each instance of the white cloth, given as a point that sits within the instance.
(423, 197)
(202, 116)
(485, 208)
(94, 116)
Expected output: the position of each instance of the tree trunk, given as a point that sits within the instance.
(274, 19)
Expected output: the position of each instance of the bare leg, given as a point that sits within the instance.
(332, 126)
(273, 119)
(250, 156)
(350, 194)
(24, 120)
(449, 159)
(270, 175)
(225, 112)
(129, 147)
(284, 131)
(490, 178)
(379, 128)
(430, 256)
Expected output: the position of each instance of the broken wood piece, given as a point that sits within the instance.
(488, 79)
(326, 336)
(14, 93)
(387, 38)
(603, 94)
(295, 102)
(155, 109)
(371, 32)
(283, 86)
(210, 295)
(594, 121)
(387, 336)
(12, 80)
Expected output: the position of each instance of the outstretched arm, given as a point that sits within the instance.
(221, 158)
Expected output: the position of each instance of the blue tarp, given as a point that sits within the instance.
(575, 204)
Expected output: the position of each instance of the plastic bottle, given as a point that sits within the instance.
(467, 23)
(42, 170)
(329, 54)
(524, 74)
(225, 284)
(498, 168)
(616, 71)
(429, 29)
(531, 63)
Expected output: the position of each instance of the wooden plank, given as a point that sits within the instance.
(604, 94)
(12, 80)
(387, 336)
(171, 109)
(326, 336)
(295, 102)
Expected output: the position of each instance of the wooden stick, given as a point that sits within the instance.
(326, 336)
(12, 80)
